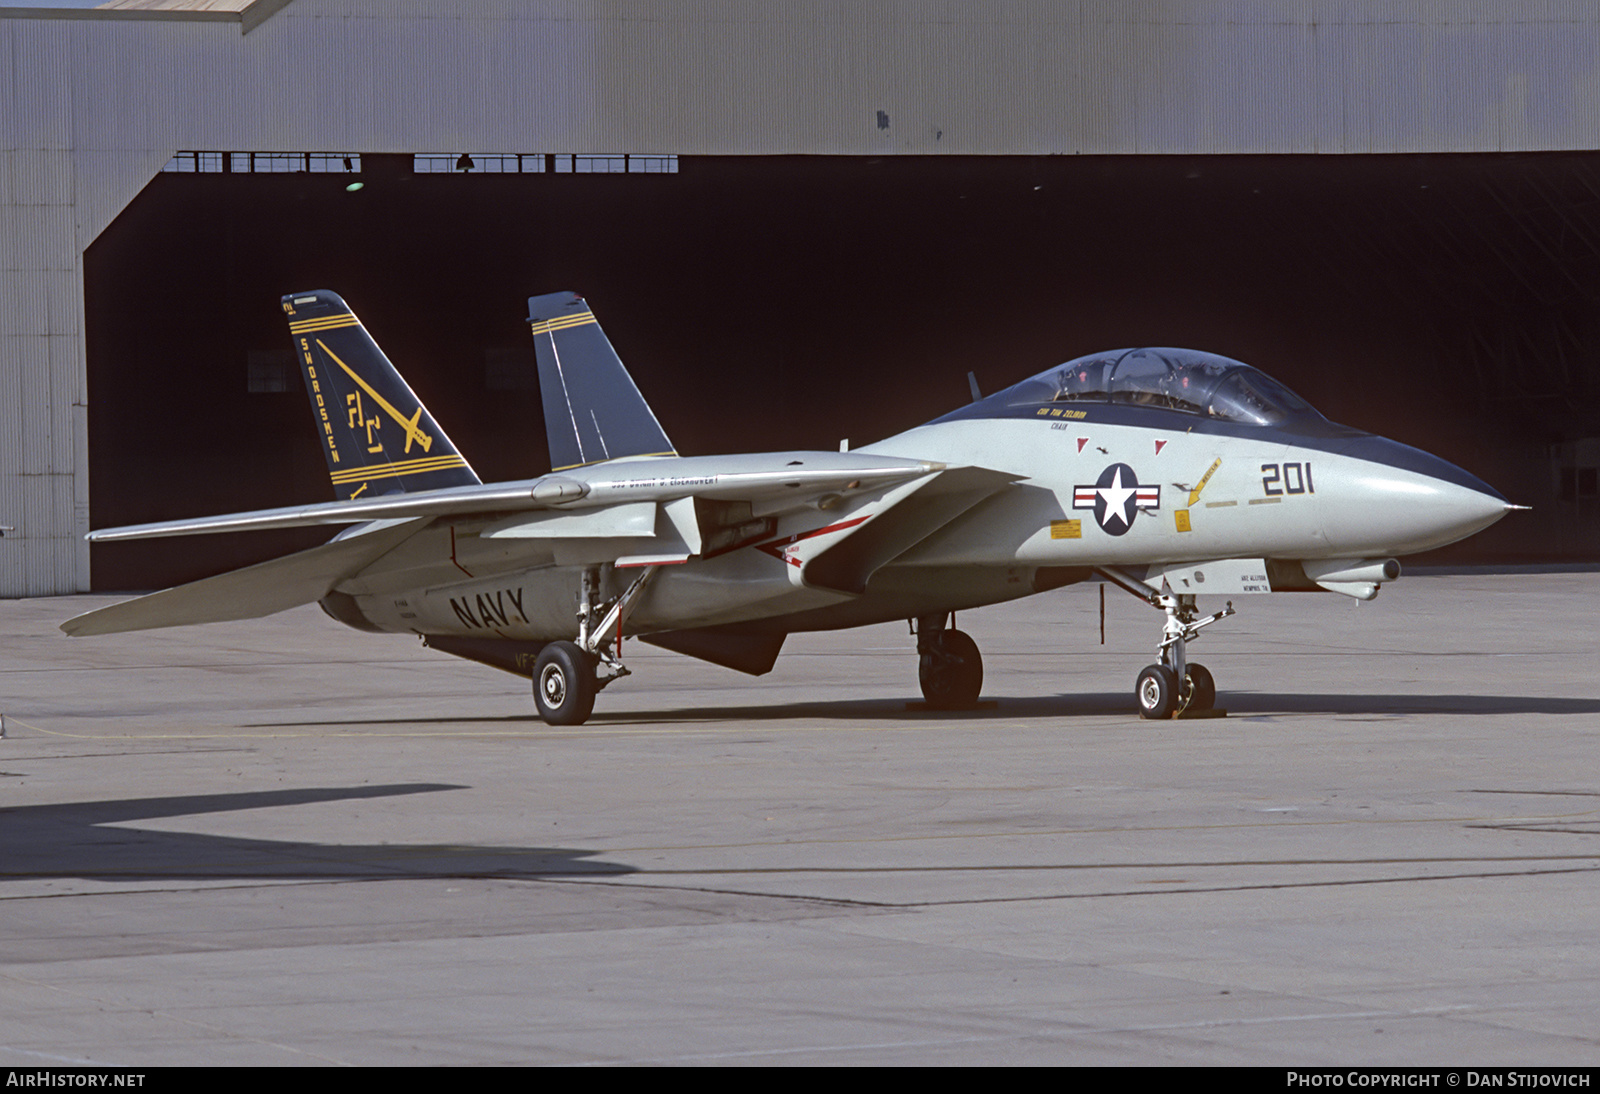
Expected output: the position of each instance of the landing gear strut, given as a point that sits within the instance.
(949, 667)
(1175, 685)
(567, 675)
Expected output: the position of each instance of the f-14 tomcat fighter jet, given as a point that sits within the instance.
(1170, 472)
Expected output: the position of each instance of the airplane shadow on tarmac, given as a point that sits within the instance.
(1254, 703)
(1010, 708)
(73, 840)
(1103, 704)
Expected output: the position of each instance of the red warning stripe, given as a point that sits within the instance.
(775, 547)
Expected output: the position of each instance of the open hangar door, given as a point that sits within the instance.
(788, 302)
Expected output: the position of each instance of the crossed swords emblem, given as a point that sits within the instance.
(413, 431)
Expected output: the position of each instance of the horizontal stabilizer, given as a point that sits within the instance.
(255, 591)
(593, 412)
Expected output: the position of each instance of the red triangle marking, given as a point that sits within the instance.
(1081, 442)
(1158, 447)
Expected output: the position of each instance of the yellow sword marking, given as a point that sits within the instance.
(413, 431)
(1194, 495)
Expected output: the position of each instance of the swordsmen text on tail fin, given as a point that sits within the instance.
(376, 435)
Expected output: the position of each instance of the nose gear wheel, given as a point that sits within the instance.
(1174, 686)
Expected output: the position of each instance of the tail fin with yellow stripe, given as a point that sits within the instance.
(376, 435)
(593, 411)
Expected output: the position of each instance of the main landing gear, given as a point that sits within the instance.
(1175, 685)
(565, 680)
(948, 666)
(567, 675)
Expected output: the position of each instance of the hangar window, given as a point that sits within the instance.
(617, 164)
(332, 163)
(264, 163)
(195, 162)
(509, 164)
(526, 163)
(267, 163)
(653, 165)
(487, 163)
(600, 164)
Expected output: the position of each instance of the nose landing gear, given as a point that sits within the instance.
(1174, 686)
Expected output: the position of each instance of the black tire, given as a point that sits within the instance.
(1202, 688)
(1157, 692)
(563, 684)
(951, 672)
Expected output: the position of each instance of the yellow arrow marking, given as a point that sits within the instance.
(1194, 495)
(413, 432)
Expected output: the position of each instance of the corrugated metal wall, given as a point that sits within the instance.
(92, 105)
(43, 435)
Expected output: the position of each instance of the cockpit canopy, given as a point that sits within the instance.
(1185, 380)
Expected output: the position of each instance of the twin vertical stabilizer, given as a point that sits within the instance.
(592, 410)
(376, 435)
(378, 438)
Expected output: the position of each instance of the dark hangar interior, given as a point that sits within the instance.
(763, 303)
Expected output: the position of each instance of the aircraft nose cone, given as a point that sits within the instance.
(1402, 457)
(1400, 500)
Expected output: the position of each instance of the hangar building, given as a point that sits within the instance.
(798, 220)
